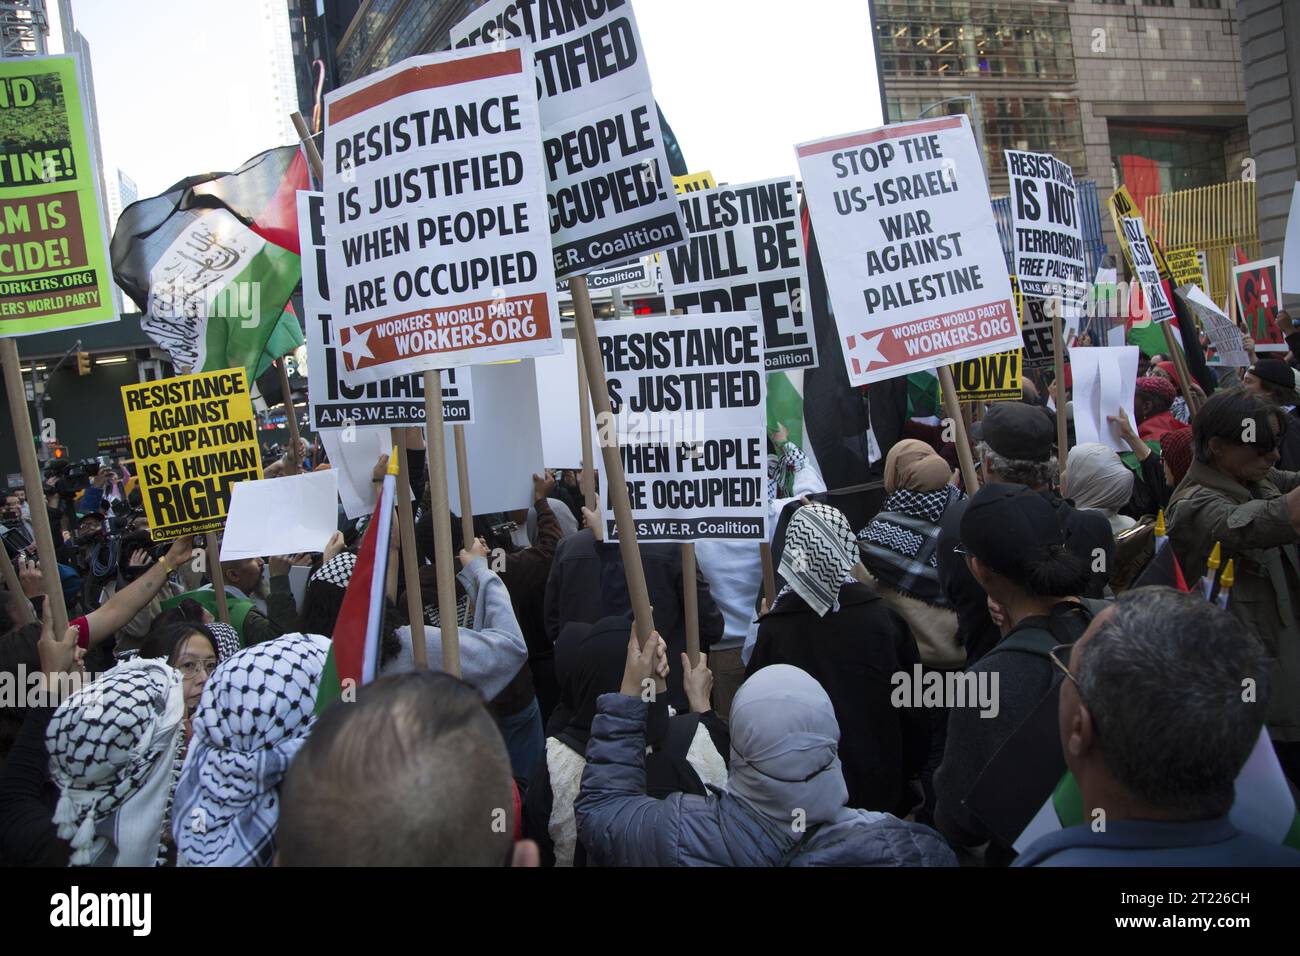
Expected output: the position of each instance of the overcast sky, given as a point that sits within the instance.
(741, 81)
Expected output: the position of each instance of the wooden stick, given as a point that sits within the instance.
(290, 413)
(436, 441)
(584, 425)
(26, 613)
(218, 577)
(31, 470)
(769, 573)
(614, 477)
(462, 479)
(690, 603)
(410, 556)
(1058, 365)
(313, 154)
(1180, 363)
(952, 411)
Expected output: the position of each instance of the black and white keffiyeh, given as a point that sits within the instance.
(113, 750)
(227, 638)
(820, 550)
(900, 546)
(432, 617)
(255, 714)
(337, 570)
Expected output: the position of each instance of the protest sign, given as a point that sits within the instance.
(306, 514)
(744, 250)
(687, 400)
(1291, 247)
(354, 462)
(1224, 334)
(193, 437)
(334, 403)
(54, 271)
(1104, 380)
(639, 276)
(606, 164)
(1122, 204)
(910, 249)
(1047, 234)
(1256, 285)
(694, 182)
(504, 445)
(435, 211)
(1036, 333)
(1142, 257)
(557, 399)
(1185, 266)
(989, 378)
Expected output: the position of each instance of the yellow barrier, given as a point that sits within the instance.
(1215, 219)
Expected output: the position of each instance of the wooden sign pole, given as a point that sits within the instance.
(436, 440)
(1058, 365)
(26, 614)
(462, 479)
(32, 482)
(769, 573)
(218, 577)
(410, 556)
(952, 411)
(291, 416)
(613, 471)
(690, 604)
(1184, 371)
(584, 425)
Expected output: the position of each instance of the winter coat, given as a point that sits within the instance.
(1253, 525)
(622, 826)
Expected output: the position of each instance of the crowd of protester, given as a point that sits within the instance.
(796, 738)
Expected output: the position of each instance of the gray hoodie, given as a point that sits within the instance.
(491, 652)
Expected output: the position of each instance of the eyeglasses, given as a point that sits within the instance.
(1063, 665)
(960, 548)
(193, 668)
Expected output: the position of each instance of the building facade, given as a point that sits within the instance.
(1142, 93)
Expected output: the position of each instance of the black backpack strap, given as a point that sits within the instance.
(1039, 634)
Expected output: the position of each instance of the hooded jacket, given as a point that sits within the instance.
(1253, 525)
(784, 801)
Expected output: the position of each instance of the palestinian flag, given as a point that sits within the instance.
(213, 261)
(354, 651)
(923, 398)
(1263, 805)
(1163, 570)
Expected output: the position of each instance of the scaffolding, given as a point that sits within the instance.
(23, 27)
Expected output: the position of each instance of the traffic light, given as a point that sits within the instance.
(83, 363)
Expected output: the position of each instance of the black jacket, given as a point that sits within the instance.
(854, 653)
(587, 583)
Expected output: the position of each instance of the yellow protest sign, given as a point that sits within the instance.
(694, 182)
(193, 437)
(989, 378)
(1185, 266)
(1121, 204)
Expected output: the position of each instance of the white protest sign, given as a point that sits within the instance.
(687, 394)
(334, 403)
(304, 508)
(1224, 334)
(504, 445)
(745, 251)
(1104, 380)
(909, 246)
(1291, 247)
(1047, 234)
(558, 408)
(1144, 264)
(611, 194)
(354, 462)
(435, 217)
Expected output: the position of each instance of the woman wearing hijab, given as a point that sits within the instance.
(838, 630)
(1096, 478)
(256, 712)
(114, 751)
(686, 750)
(784, 803)
(900, 549)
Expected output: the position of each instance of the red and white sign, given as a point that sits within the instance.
(436, 229)
(909, 247)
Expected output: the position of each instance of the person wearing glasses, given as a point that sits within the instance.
(1234, 494)
(192, 650)
(1155, 730)
(1014, 545)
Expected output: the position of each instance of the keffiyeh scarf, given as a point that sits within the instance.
(113, 751)
(227, 639)
(255, 714)
(900, 547)
(781, 470)
(432, 617)
(819, 552)
(337, 570)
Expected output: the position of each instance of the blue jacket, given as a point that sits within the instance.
(1157, 843)
(621, 826)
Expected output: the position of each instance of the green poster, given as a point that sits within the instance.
(54, 271)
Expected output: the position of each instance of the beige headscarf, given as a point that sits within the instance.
(914, 465)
